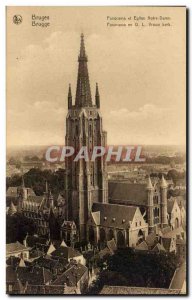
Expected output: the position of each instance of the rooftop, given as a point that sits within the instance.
(126, 290)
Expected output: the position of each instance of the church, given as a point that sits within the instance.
(92, 209)
(127, 214)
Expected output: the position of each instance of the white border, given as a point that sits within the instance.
(3, 4)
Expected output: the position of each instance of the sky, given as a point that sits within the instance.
(141, 72)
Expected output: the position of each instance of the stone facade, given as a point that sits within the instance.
(85, 182)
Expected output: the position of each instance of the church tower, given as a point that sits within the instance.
(85, 181)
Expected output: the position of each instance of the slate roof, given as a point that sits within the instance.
(45, 289)
(35, 199)
(151, 239)
(12, 209)
(166, 229)
(11, 278)
(166, 243)
(34, 275)
(104, 252)
(142, 246)
(170, 204)
(114, 215)
(179, 277)
(158, 248)
(173, 233)
(66, 252)
(112, 245)
(51, 290)
(15, 247)
(126, 290)
(11, 275)
(49, 263)
(12, 191)
(71, 276)
(131, 193)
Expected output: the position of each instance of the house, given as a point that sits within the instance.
(68, 253)
(18, 279)
(18, 250)
(13, 284)
(174, 211)
(75, 276)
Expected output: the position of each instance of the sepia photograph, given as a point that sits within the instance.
(96, 173)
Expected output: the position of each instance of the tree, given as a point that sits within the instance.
(17, 227)
(133, 268)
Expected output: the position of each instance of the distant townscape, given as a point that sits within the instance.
(92, 227)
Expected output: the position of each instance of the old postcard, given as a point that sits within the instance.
(96, 191)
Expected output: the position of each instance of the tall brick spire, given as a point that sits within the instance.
(83, 92)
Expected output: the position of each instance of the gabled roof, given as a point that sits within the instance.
(112, 245)
(12, 209)
(35, 275)
(166, 229)
(114, 215)
(63, 244)
(170, 204)
(174, 233)
(51, 249)
(132, 193)
(96, 217)
(166, 243)
(71, 276)
(104, 253)
(142, 246)
(66, 252)
(158, 248)
(15, 247)
(49, 263)
(35, 199)
(12, 191)
(22, 263)
(151, 239)
(181, 201)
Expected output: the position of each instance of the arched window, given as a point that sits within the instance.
(102, 238)
(120, 240)
(110, 235)
(91, 235)
(176, 223)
